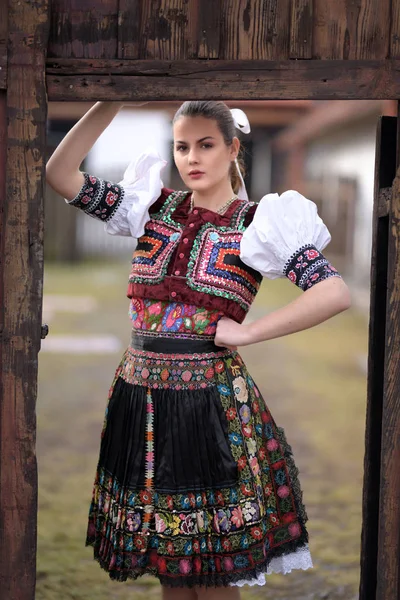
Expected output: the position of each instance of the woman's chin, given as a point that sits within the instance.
(197, 186)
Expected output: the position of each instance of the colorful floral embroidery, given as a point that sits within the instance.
(308, 266)
(173, 318)
(98, 198)
(215, 266)
(190, 372)
(207, 536)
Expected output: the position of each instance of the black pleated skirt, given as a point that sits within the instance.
(195, 482)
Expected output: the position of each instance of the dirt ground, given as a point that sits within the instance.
(314, 383)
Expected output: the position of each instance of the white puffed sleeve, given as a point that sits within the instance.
(281, 227)
(142, 187)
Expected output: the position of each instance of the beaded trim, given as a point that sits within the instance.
(98, 198)
(307, 266)
(240, 213)
(168, 207)
(174, 335)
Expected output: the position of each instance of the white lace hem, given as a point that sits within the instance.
(301, 559)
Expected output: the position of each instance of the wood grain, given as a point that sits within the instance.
(164, 28)
(385, 167)
(394, 50)
(21, 274)
(257, 29)
(3, 44)
(388, 584)
(235, 80)
(301, 29)
(83, 29)
(351, 29)
(208, 28)
(129, 21)
(373, 31)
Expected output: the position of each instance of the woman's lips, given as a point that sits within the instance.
(196, 174)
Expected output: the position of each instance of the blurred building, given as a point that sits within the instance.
(329, 155)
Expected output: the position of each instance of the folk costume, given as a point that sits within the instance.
(196, 484)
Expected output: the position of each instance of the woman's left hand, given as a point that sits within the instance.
(231, 334)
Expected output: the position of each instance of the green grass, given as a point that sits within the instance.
(313, 385)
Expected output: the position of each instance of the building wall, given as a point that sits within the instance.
(130, 133)
(349, 152)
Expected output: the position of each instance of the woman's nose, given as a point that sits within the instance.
(192, 157)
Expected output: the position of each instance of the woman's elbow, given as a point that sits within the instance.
(342, 295)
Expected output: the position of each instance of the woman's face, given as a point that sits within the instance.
(201, 155)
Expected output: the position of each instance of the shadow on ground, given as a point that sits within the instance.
(313, 382)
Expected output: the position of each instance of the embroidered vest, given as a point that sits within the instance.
(194, 258)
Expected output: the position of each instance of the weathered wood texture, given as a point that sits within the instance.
(84, 29)
(163, 29)
(395, 30)
(244, 80)
(129, 18)
(225, 29)
(3, 44)
(388, 584)
(351, 29)
(206, 27)
(385, 169)
(301, 30)
(258, 29)
(21, 276)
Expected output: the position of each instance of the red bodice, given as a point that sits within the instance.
(194, 258)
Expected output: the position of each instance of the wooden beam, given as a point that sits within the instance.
(351, 29)
(388, 584)
(3, 44)
(208, 30)
(129, 20)
(21, 274)
(384, 172)
(395, 30)
(301, 29)
(255, 29)
(82, 79)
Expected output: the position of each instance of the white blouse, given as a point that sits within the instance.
(282, 224)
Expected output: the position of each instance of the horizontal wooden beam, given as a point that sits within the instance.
(87, 79)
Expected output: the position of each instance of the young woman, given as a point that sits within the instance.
(195, 483)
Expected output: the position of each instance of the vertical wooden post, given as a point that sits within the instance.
(388, 584)
(21, 282)
(385, 169)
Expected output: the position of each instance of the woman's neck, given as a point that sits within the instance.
(213, 198)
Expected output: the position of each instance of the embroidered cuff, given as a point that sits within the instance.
(98, 198)
(307, 266)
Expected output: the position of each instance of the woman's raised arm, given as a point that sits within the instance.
(62, 169)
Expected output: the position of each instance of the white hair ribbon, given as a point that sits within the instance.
(240, 119)
(242, 123)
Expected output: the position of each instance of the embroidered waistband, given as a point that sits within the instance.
(176, 345)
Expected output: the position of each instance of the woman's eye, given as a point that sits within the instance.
(180, 148)
(207, 146)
